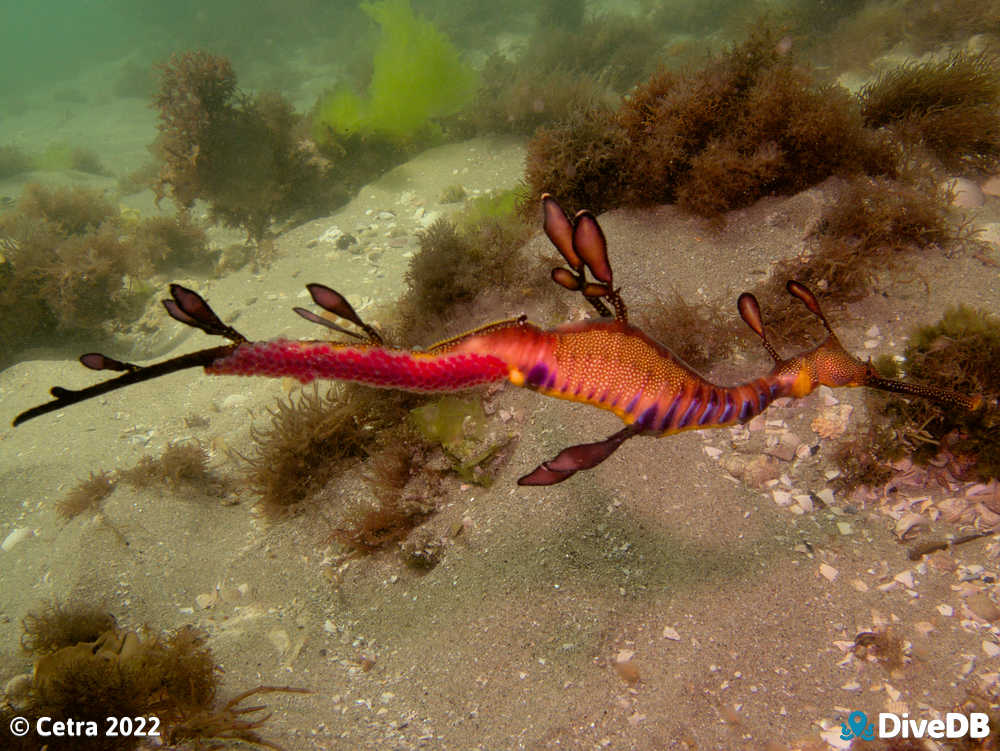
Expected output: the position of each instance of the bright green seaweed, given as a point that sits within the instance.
(418, 75)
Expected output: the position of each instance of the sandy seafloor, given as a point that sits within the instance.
(735, 614)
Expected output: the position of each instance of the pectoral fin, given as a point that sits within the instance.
(571, 460)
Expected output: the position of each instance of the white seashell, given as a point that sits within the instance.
(206, 600)
(908, 524)
(905, 578)
(331, 235)
(235, 401)
(669, 632)
(829, 572)
(18, 535)
(834, 739)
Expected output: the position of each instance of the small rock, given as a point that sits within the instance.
(669, 632)
(782, 497)
(627, 670)
(829, 572)
(981, 605)
(279, 639)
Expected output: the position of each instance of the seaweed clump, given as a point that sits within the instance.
(959, 352)
(460, 259)
(694, 331)
(404, 488)
(54, 626)
(87, 668)
(241, 154)
(310, 437)
(72, 263)
(872, 223)
(865, 458)
(950, 107)
(569, 65)
(86, 496)
(13, 161)
(750, 123)
(183, 465)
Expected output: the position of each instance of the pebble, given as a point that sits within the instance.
(829, 572)
(805, 502)
(279, 639)
(981, 605)
(782, 497)
(669, 632)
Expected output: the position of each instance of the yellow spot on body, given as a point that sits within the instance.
(516, 377)
(803, 383)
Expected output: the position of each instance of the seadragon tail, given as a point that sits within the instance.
(373, 365)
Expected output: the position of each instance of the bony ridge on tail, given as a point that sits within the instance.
(607, 362)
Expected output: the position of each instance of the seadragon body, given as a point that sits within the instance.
(607, 363)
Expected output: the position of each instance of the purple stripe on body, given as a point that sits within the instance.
(706, 416)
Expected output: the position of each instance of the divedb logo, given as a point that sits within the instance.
(891, 725)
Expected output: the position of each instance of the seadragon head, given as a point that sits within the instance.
(829, 364)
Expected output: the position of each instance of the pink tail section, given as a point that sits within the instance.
(377, 366)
